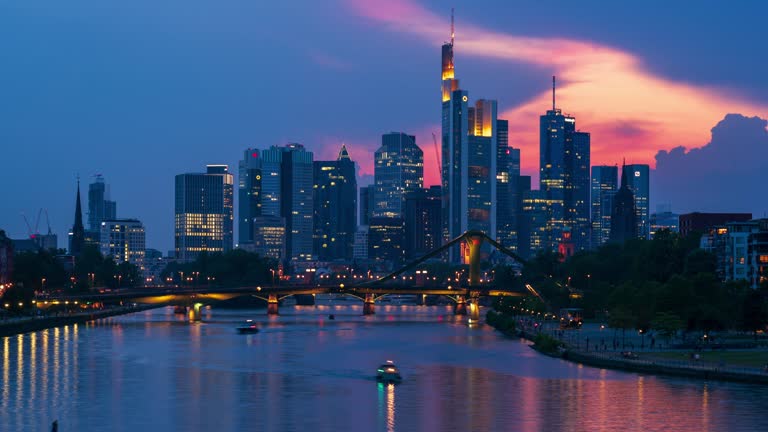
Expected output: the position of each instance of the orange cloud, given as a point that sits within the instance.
(629, 111)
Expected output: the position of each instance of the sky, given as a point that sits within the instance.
(141, 91)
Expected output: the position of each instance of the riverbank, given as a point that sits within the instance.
(14, 327)
(645, 362)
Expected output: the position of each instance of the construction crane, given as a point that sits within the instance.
(437, 159)
(32, 233)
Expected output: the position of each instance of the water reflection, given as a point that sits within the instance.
(305, 372)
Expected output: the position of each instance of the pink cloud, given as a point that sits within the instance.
(604, 88)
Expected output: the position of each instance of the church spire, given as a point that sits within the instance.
(77, 237)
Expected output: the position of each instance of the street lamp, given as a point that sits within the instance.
(42, 282)
(642, 340)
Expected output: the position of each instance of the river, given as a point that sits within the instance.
(154, 371)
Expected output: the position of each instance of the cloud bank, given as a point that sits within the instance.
(630, 111)
(729, 174)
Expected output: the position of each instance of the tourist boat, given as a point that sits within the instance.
(388, 373)
(248, 328)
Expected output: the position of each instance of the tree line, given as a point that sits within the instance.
(667, 283)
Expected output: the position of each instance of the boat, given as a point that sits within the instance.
(388, 373)
(248, 328)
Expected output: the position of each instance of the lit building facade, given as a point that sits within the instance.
(398, 171)
(360, 251)
(269, 237)
(536, 215)
(296, 200)
(124, 240)
(604, 186)
(386, 239)
(335, 207)
(470, 159)
(564, 161)
(638, 180)
(664, 219)
(203, 213)
(423, 222)
(741, 250)
(278, 182)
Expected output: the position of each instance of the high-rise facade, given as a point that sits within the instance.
(623, 214)
(268, 237)
(335, 207)
(604, 186)
(100, 207)
(564, 160)
(386, 239)
(470, 157)
(296, 200)
(278, 182)
(398, 171)
(423, 222)
(366, 204)
(203, 212)
(124, 240)
(638, 182)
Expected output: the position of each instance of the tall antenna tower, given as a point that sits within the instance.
(452, 32)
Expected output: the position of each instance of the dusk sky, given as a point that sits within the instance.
(143, 90)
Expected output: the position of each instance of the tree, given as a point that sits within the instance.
(754, 312)
(667, 324)
(621, 318)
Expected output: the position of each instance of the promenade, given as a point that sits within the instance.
(597, 346)
(14, 325)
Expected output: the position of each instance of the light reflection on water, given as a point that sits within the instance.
(153, 371)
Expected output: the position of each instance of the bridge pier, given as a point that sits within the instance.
(461, 305)
(474, 310)
(272, 305)
(195, 313)
(369, 307)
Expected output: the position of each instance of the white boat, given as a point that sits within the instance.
(248, 328)
(388, 373)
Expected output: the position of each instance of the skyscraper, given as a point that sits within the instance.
(564, 156)
(623, 214)
(386, 238)
(366, 204)
(423, 222)
(100, 207)
(77, 233)
(296, 201)
(335, 207)
(398, 171)
(278, 182)
(604, 185)
(638, 181)
(124, 240)
(470, 151)
(507, 176)
(203, 212)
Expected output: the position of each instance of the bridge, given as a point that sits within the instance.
(466, 298)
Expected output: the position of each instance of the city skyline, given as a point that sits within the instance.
(188, 138)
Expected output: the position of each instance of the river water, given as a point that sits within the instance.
(154, 371)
